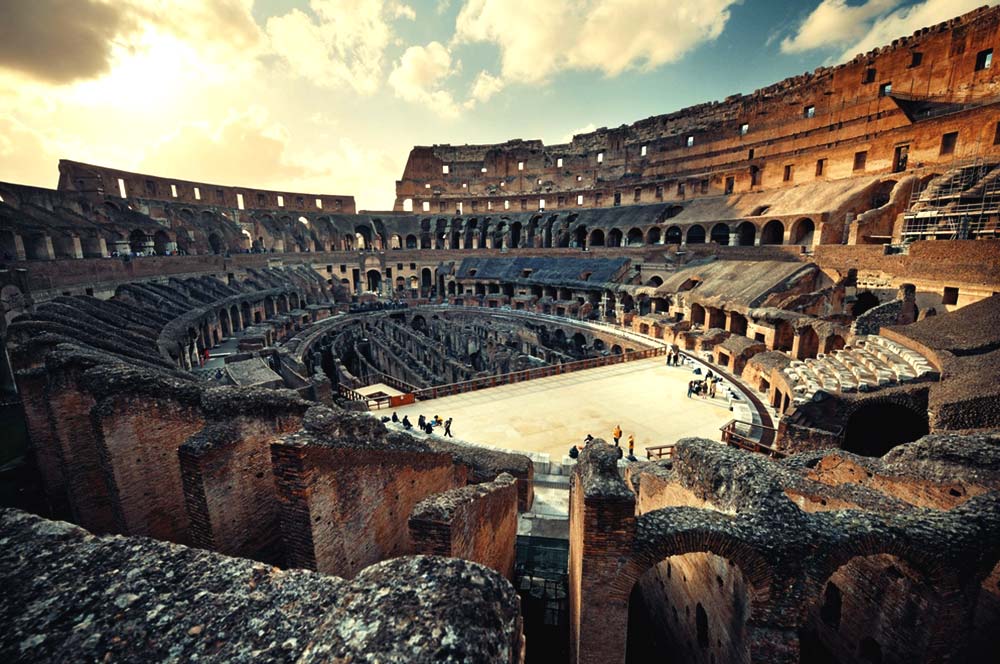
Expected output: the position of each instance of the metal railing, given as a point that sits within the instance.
(741, 435)
(531, 374)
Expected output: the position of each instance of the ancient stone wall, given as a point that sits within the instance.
(477, 522)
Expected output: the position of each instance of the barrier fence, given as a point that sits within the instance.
(745, 436)
(531, 374)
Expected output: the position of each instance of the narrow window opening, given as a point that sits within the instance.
(860, 159)
(444, 169)
(730, 184)
(197, 194)
(916, 58)
(559, 162)
(637, 195)
(788, 173)
(520, 165)
(809, 112)
(900, 158)
(885, 89)
(868, 76)
(541, 203)
(642, 151)
(121, 187)
(579, 199)
(173, 190)
(744, 128)
(426, 206)
(690, 141)
(319, 203)
(948, 142)
(600, 157)
(482, 170)
(984, 59)
(408, 205)
(239, 201)
(506, 205)
(820, 166)
(950, 295)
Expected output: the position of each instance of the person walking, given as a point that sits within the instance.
(617, 433)
(447, 428)
(631, 445)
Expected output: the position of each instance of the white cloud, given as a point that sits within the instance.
(860, 28)
(399, 10)
(586, 129)
(539, 39)
(419, 75)
(483, 88)
(344, 45)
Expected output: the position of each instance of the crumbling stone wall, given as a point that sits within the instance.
(476, 522)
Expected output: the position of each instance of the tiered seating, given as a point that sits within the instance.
(872, 362)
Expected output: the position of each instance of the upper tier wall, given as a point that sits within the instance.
(909, 93)
(100, 181)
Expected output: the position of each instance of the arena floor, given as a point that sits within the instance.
(647, 398)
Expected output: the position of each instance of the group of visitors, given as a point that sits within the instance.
(426, 425)
(704, 388)
(673, 357)
(616, 434)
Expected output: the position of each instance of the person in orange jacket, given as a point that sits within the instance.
(617, 433)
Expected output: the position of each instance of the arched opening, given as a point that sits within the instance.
(579, 343)
(246, 314)
(773, 232)
(400, 283)
(697, 314)
(215, 242)
(414, 283)
(784, 335)
(269, 309)
(580, 236)
(137, 241)
(374, 279)
(451, 288)
(161, 243)
(614, 238)
(426, 278)
(634, 237)
(872, 609)
(616, 350)
(689, 608)
(874, 429)
(834, 342)
(655, 280)
(515, 235)
(864, 301)
(394, 241)
(746, 233)
(411, 241)
(802, 232)
(720, 234)
(597, 238)
(674, 235)
(654, 235)
(737, 323)
(696, 235)
(234, 319)
(808, 343)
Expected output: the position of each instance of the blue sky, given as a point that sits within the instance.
(329, 95)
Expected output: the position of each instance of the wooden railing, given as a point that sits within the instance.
(660, 452)
(749, 436)
(531, 374)
(376, 403)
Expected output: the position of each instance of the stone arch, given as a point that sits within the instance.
(654, 235)
(426, 277)
(215, 242)
(674, 235)
(137, 241)
(411, 241)
(720, 234)
(634, 237)
(772, 233)
(161, 243)
(878, 425)
(234, 318)
(834, 342)
(696, 235)
(373, 281)
(802, 232)
(515, 235)
(395, 242)
(746, 234)
(596, 238)
(614, 238)
(808, 343)
(864, 301)
(580, 236)
(655, 280)
(697, 314)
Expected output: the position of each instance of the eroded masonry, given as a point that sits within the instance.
(205, 376)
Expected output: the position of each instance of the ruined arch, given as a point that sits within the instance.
(746, 234)
(515, 235)
(772, 233)
(137, 240)
(654, 235)
(802, 232)
(697, 314)
(215, 242)
(808, 343)
(394, 241)
(720, 234)
(696, 235)
(373, 281)
(634, 237)
(596, 238)
(877, 426)
(411, 241)
(614, 238)
(161, 243)
(674, 235)
(580, 236)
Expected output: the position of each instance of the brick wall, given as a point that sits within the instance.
(343, 509)
(476, 522)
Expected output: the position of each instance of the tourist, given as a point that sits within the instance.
(631, 445)
(406, 422)
(438, 421)
(447, 428)
(429, 429)
(712, 387)
(574, 452)
(395, 417)
(617, 433)
(691, 387)
(422, 422)
(588, 439)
